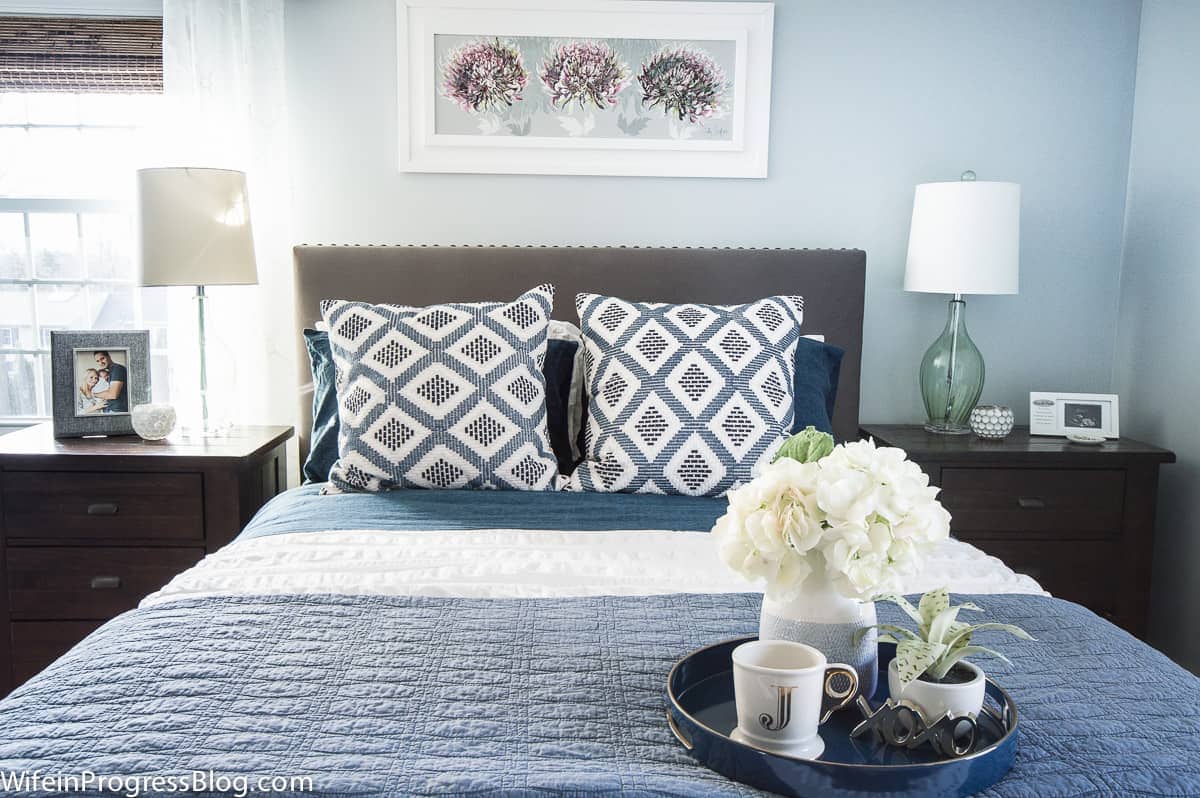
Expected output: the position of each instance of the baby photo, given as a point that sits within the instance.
(101, 382)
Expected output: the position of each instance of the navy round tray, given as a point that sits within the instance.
(702, 715)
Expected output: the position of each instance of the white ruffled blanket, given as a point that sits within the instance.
(514, 563)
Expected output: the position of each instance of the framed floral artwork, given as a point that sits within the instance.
(587, 88)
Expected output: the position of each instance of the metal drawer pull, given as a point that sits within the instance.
(106, 582)
(1031, 503)
(102, 508)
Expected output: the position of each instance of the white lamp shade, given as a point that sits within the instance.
(965, 238)
(195, 227)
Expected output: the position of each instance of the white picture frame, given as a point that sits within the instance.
(1074, 413)
(732, 142)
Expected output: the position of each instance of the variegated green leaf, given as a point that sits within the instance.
(960, 639)
(932, 604)
(958, 634)
(946, 662)
(907, 634)
(939, 627)
(886, 638)
(1015, 631)
(902, 603)
(892, 629)
(914, 657)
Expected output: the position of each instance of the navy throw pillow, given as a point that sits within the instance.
(557, 368)
(322, 445)
(818, 366)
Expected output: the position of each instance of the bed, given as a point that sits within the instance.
(492, 642)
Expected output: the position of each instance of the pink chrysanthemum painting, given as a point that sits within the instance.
(586, 72)
(684, 81)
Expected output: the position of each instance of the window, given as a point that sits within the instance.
(66, 248)
(69, 140)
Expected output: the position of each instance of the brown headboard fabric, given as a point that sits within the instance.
(831, 282)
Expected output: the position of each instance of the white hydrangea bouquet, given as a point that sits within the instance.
(867, 510)
(826, 528)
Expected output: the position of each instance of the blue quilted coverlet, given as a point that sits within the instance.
(305, 510)
(428, 696)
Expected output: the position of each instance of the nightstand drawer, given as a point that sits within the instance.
(1067, 503)
(38, 643)
(80, 505)
(1083, 572)
(67, 583)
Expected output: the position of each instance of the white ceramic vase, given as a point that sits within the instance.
(829, 622)
(936, 699)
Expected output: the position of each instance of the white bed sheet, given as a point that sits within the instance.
(513, 563)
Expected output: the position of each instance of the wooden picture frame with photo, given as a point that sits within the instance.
(89, 396)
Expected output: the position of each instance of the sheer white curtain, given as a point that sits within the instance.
(226, 107)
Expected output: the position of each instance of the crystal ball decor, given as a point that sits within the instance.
(153, 422)
(992, 422)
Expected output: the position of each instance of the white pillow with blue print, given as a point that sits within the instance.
(685, 399)
(446, 396)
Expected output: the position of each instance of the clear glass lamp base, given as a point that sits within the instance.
(943, 428)
(211, 429)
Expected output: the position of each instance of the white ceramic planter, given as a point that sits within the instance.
(936, 700)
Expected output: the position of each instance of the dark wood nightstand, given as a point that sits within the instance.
(1079, 519)
(89, 526)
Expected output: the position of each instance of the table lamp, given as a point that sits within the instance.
(195, 230)
(965, 239)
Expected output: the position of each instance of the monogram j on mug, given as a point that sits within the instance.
(784, 691)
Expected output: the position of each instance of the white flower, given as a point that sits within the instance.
(848, 494)
(784, 584)
(802, 523)
(868, 512)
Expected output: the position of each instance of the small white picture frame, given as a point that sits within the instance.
(1074, 413)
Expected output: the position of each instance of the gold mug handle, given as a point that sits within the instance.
(833, 699)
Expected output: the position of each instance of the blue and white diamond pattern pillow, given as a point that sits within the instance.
(685, 399)
(446, 396)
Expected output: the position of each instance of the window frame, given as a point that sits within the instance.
(41, 348)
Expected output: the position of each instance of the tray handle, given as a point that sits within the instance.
(684, 741)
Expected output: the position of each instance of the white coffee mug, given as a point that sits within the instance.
(784, 691)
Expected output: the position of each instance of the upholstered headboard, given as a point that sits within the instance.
(831, 282)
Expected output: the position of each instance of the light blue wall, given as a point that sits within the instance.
(1157, 368)
(869, 98)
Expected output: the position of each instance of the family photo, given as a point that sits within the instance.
(101, 382)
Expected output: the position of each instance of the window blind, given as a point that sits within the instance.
(81, 55)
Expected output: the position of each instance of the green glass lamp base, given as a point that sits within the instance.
(943, 428)
(952, 374)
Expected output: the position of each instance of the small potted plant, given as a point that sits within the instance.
(930, 668)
